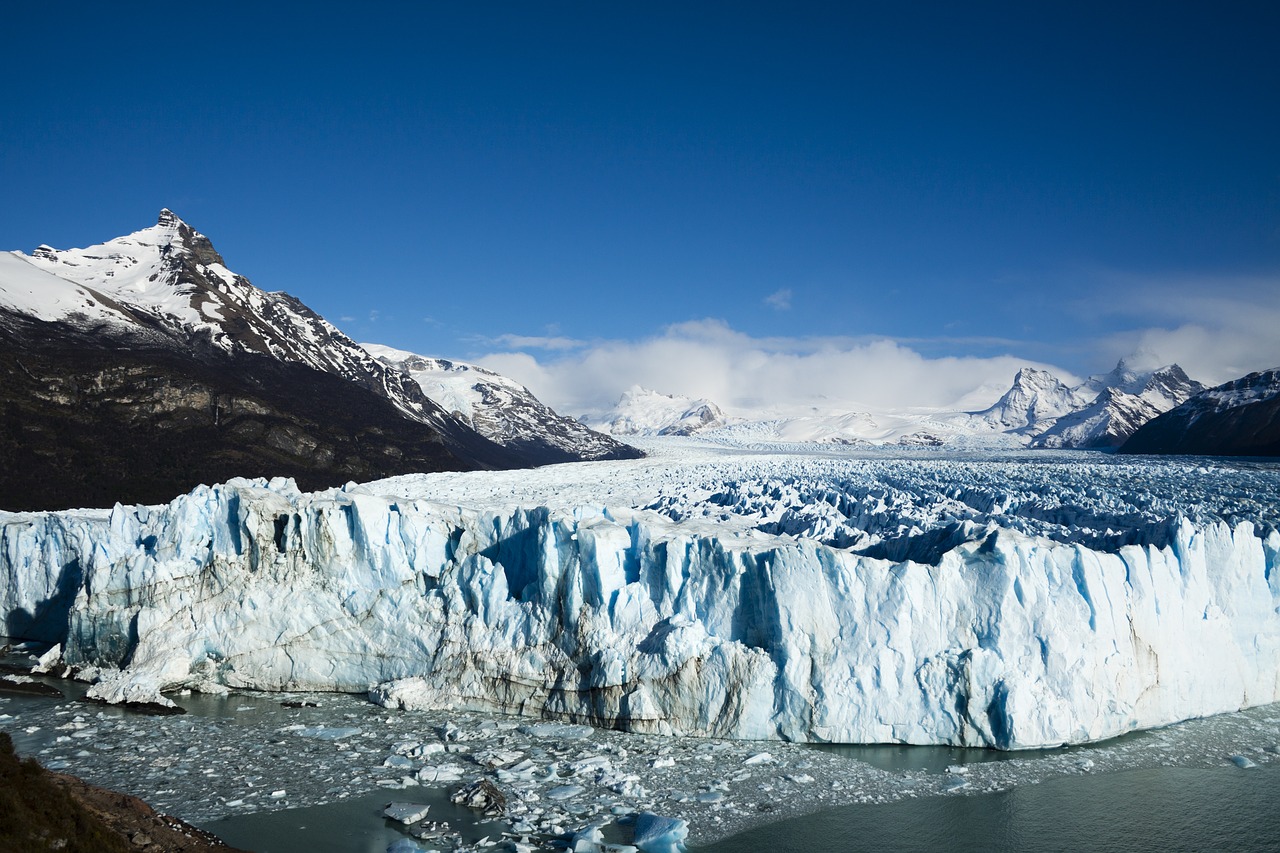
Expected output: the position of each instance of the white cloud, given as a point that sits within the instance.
(535, 342)
(779, 300)
(1217, 328)
(709, 359)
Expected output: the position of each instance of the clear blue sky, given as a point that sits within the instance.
(1056, 182)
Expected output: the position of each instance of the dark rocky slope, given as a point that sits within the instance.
(91, 420)
(1239, 418)
(43, 811)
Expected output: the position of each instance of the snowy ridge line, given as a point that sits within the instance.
(626, 619)
(167, 282)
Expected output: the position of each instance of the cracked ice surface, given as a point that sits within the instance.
(1012, 601)
(244, 753)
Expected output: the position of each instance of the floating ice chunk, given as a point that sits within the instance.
(589, 839)
(326, 733)
(276, 795)
(49, 659)
(657, 834)
(566, 731)
(441, 773)
(406, 813)
(590, 766)
(481, 794)
(666, 761)
(497, 757)
(564, 792)
(711, 797)
(758, 758)
(398, 761)
(406, 845)
(1243, 762)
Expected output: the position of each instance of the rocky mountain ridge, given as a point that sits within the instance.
(1237, 418)
(501, 409)
(143, 366)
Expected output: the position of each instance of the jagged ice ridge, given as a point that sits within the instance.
(1022, 626)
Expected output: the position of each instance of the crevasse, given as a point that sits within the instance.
(628, 619)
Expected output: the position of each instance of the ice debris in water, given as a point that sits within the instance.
(203, 767)
(656, 834)
(406, 813)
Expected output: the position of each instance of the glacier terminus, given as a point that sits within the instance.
(923, 598)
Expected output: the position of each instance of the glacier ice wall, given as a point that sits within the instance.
(629, 619)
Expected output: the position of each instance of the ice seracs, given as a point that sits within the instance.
(975, 602)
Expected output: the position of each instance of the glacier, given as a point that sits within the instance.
(691, 595)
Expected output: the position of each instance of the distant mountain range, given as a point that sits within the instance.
(1101, 412)
(1038, 410)
(143, 366)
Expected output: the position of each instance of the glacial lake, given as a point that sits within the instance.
(222, 765)
(1159, 810)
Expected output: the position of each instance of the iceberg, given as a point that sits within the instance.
(631, 619)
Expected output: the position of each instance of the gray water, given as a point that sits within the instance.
(1158, 810)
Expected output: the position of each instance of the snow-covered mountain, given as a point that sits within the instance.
(1238, 418)
(1100, 412)
(501, 409)
(168, 282)
(1037, 398)
(1039, 410)
(140, 367)
(1126, 400)
(640, 411)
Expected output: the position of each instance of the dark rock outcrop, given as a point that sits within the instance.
(1239, 418)
(91, 421)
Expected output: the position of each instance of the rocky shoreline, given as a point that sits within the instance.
(55, 811)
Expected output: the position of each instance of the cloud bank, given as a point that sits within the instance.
(1218, 328)
(709, 359)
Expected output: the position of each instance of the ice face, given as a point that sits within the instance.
(1026, 604)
